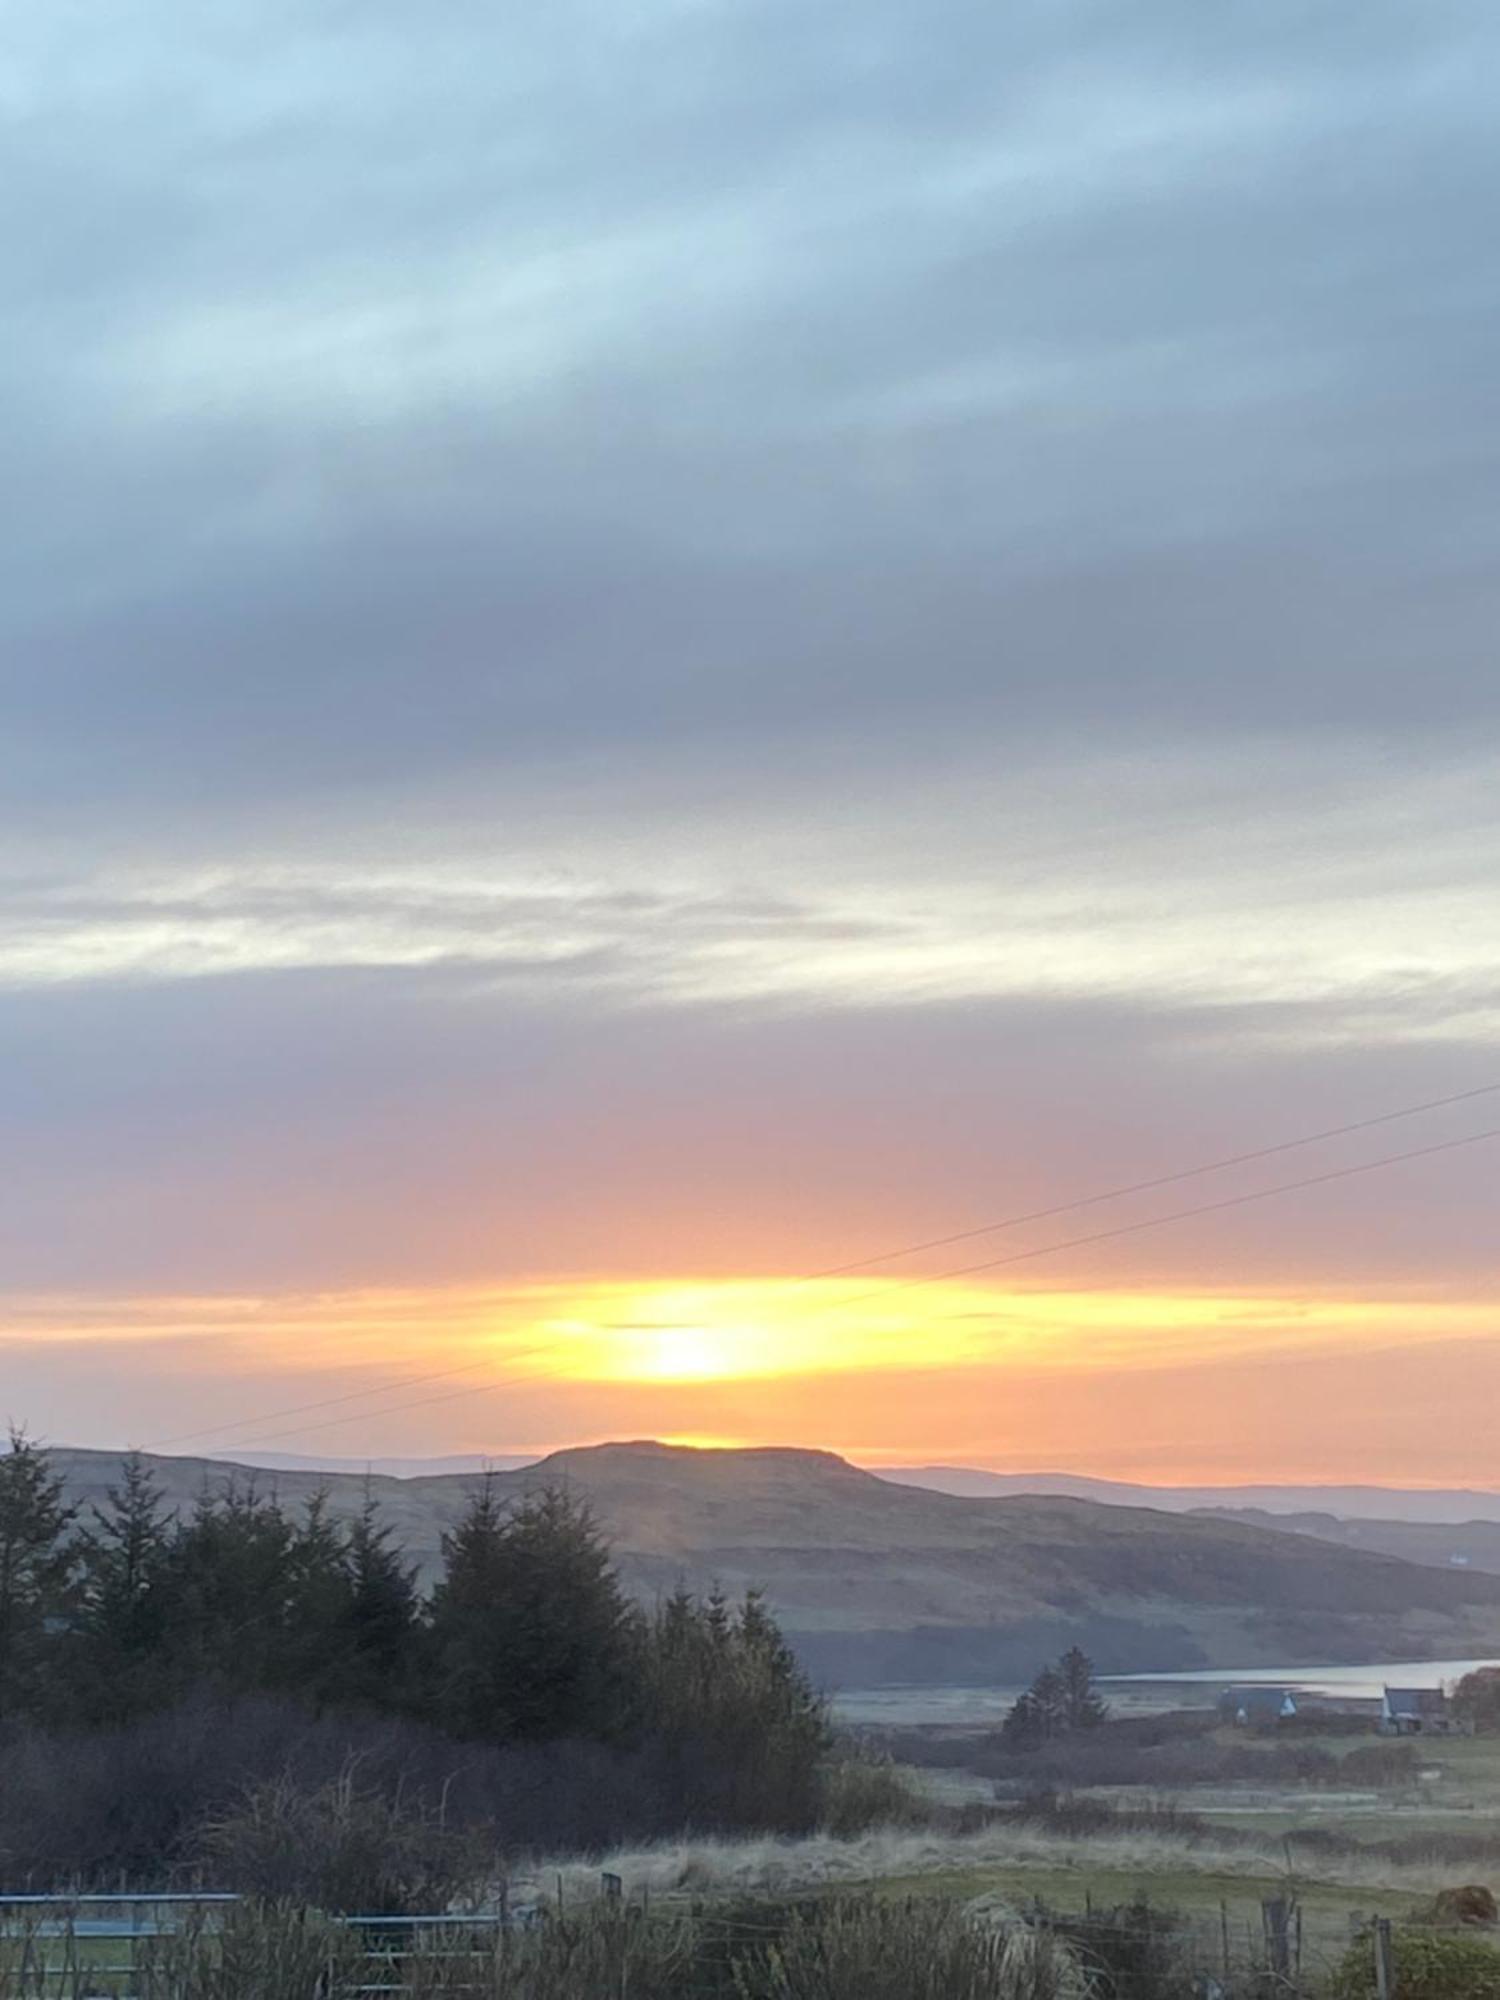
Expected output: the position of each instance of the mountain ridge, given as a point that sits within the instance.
(876, 1580)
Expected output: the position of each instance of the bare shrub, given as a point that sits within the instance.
(127, 1804)
(1133, 1952)
(343, 1846)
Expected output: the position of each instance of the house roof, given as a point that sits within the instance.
(1416, 1701)
(1257, 1697)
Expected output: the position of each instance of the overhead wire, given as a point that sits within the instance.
(1176, 1215)
(1156, 1181)
(1015, 1221)
(1024, 1256)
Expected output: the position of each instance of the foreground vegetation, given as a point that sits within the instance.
(858, 1947)
(250, 1699)
(160, 1677)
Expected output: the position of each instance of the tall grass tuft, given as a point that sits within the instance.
(915, 1949)
(868, 1949)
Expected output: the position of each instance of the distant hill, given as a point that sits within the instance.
(880, 1581)
(1375, 1503)
(467, 1463)
(1444, 1545)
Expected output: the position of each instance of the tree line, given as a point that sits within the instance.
(527, 1638)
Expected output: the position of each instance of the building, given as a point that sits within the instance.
(1257, 1707)
(1416, 1712)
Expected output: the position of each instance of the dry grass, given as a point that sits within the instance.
(772, 1866)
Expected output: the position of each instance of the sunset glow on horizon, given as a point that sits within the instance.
(536, 1367)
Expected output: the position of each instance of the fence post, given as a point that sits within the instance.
(1385, 1963)
(1224, 1940)
(1276, 1916)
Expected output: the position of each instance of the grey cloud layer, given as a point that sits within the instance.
(397, 398)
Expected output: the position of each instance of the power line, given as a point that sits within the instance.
(395, 1410)
(1157, 1181)
(910, 1250)
(325, 1403)
(1017, 1256)
(1176, 1215)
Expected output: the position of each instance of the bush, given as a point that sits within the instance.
(1134, 1952)
(343, 1847)
(1476, 1700)
(1430, 1965)
(861, 1792)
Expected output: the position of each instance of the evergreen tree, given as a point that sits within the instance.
(1050, 1698)
(1062, 1698)
(738, 1727)
(229, 1590)
(466, 1626)
(315, 1612)
(380, 1628)
(37, 1574)
(1082, 1706)
(125, 1552)
(1024, 1726)
(532, 1636)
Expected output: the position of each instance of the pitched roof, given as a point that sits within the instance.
(1257, 1697)
(1416, 1701)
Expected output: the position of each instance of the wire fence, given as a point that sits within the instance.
(107, 1947)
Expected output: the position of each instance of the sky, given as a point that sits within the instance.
(653, 648)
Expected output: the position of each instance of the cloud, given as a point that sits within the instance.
(404, 404)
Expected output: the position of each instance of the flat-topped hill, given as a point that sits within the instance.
(882, 1581)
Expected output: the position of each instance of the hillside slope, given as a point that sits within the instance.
(882, 1581)
(1444, 1545)
(1377, 1504)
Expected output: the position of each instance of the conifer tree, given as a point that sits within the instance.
(315, 1611)
(1062, 1698)
(1082, 1705)
(125, 1552)
(37, 1576)
(229, 1588)
(466, 1627)
(532, 1635)
(380, 1627)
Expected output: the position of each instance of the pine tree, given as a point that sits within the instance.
(37, 1575)
(1062, 1698)
(1051, 1701)
(121, 1666)
(380, 1628)
(738, 1730)
(1024, 1727)
(465, 1625)
(229, 1589)
(315, 1612)
(1082, 1706)
(532, 1636)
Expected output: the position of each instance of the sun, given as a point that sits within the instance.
(689, 1353)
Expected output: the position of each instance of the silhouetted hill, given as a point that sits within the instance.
(877, 1580)
(1377, 1503)
(1444, 1545)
